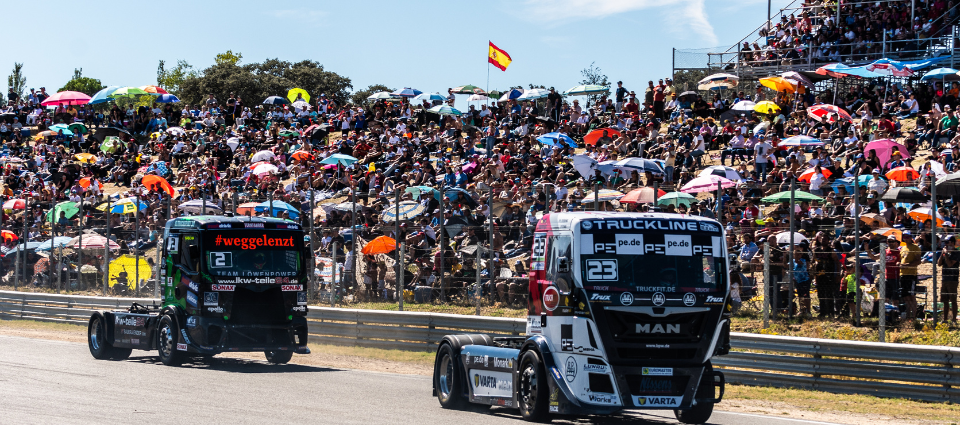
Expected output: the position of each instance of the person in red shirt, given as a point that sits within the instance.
(892, 268)
(886, 125)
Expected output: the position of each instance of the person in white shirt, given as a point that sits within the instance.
(816, 181)
(761, 153)
(877, 184)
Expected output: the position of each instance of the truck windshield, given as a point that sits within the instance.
(245, 253)
(653, 262)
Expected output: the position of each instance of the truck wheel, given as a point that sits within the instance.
(279, 357)
(97, 338)
(533, 391)
(701, 412)
(121, 353)
(446, 379)
(167, 342)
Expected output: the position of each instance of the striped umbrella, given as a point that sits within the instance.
(382, 95)
(643, 195)
(676, 199)
(821, 112)
(707, 183)
(801, 140)
(408, 210)
(15, 204)
(604, 195)
(406, 92)
(445, 110)
(889, 67)
(92, 241)
(718, 81)
(586, 89)
(807, 175)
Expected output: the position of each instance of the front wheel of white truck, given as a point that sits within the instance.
(701, 412)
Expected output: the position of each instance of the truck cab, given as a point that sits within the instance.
(625, 311)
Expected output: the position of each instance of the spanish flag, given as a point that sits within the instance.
(499, 58)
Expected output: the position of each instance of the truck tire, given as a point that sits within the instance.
(120, 353)
(278, 357)
(701, 412)
(167, 337)
(97, 338)
(533, 390)
(448, 378)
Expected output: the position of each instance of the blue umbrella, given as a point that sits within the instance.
(167, 98)
(160, 167)
(275, 100)
(942, 74)
(864, 179)
(430, 97)
(512, 94)
(456, 193)
(339, 158)
(279, 207)
(846, 182)
(554, 139)
(408, 210)
(59, 241)
(802, 141)
(30, 246)
(406, 92)
(103, 96)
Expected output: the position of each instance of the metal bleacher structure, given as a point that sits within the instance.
(729, 59)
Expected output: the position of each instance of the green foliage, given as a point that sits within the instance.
(16, 80)
(594, 75)
(360, 96)
(85, 85)
(687, 79)
(537, 86)
(228, 57)
(172, 80)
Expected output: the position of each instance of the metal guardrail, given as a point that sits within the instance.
(920, 372)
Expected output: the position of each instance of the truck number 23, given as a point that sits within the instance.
(601, 269)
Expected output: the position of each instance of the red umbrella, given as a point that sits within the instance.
(594, 136)
(153, 90)
(807, 175)
(154, 182)
(820, 112)
(303, 156)
(8, 235)
(15, 204)
(903, 174)
(67, 98)
(85, 183)
(643, 195)
(380, 245)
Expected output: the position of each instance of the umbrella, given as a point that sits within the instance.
(8, 235)
(128, 91)
(885, 148)
(889, 67)
(85, 183)
(419, 191)
(864, 179)
(534, 94)
(948, 185)
(512, 94)
(381, 95)
(722, 171)
(57, 128)
(111, 144)
(349, 206)
(103, 96)
(339, 158)
(477, 98)
(15, 204)
(948, 74)
(924, 214)
(279, 207)
(835, 70)
(456, 193)
(707, 183)
(302, 156)
(821, 112)
(594, 136)
(798, 195)
(808, 174)
(640, 164)
(797, 78)
(429, 97)
(159, 167)
(58, 242)
(124, 206)
(247, 207)
(467, 89)
(643, 195)
(66, 98)
(29, 246)
(445, 110)
(744, 106)
(902, 174)
(177, 131)
(717, 81)
(604, 195)
(89, 158)
(92, 241)
(779, 84)
(801, 140)
(154, 90)
(766, 107)
(691, 95)
(292, 94)
(275, 100)
(289, 133)
(408, 210)
(68, 208)
(300, 104)
(265, 169)
(905, 194)
(872, 219)
(676, 198)
(78, 127)
(380, 245)
(783, 238)
(586, 89)
(102, 133)
(125, 266)
(166, 98)
(262, 156)
(155, 182)
(233, 142)
(198, 206)
(889, 231)
(554, 139)
(406, 92)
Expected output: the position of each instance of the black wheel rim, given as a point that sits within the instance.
(96, 334)
(166, 340)
(528, 387)
(446, 377)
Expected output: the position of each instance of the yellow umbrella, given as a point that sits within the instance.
(778, 84)
(86, 157)
(766, 107)
(124, 269)
(292, 95)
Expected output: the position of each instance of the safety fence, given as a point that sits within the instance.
(928, 373)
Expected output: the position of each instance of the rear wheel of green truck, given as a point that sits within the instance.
(447, 379)
(167, 342)
(533, 392)
(278, 357)
(701, 412)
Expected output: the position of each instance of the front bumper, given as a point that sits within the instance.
(213, 335)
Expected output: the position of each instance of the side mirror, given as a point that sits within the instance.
(563, 265)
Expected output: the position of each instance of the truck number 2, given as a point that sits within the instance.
(601, 269)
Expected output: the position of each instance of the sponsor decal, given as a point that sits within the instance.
(629, 244)
(687, 225)
(551, 298)
(260, 280)
(492, 384)
(211, 298)
(253, 225)
(658, 328)
(656, 386)
(223, 288)
(599, 288)
(713, 300)
(655, 289)
(216, 309)
(503, 363)
(220, 260)
(689, 299)
(191, 322)
(193, 286)
(595, 368)
(287, 288)
(571, 366)
(183, 223)
(181, 347)
(600, 298)
(678, 245)
(566, 337)
(657, 371)
(601, 269)
(186, 338)
(539, 265)
(658, 345)
(587, 225)
(301, 298)
(192, 299)
(601, 398)
(556, 409)
(657, 401)
(252, 243)
(135, 341)
(129, 321)
(626, 298)
(136, 332)
(300, 308)
(658, 299)
(709, 227)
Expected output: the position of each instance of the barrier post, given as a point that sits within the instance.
(766, 285)
(399, 273)
(882, 283)
(106, 251)
(478, 291)
(333, 277)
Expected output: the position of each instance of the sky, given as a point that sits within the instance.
(427, 45)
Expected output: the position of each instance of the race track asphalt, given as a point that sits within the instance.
(53, 382)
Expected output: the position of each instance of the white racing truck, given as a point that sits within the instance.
(625, 312)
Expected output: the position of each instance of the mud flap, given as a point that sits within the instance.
(719, 381)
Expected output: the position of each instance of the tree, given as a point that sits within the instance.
(172, 80)
(85, 85)
(16, 80)
(361, 96)
(228, 57)
(594, 75)
(687, 79)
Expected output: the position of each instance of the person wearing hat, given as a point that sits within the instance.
(949, 262)
(947, 127)
(877, 183)
(909, 261)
